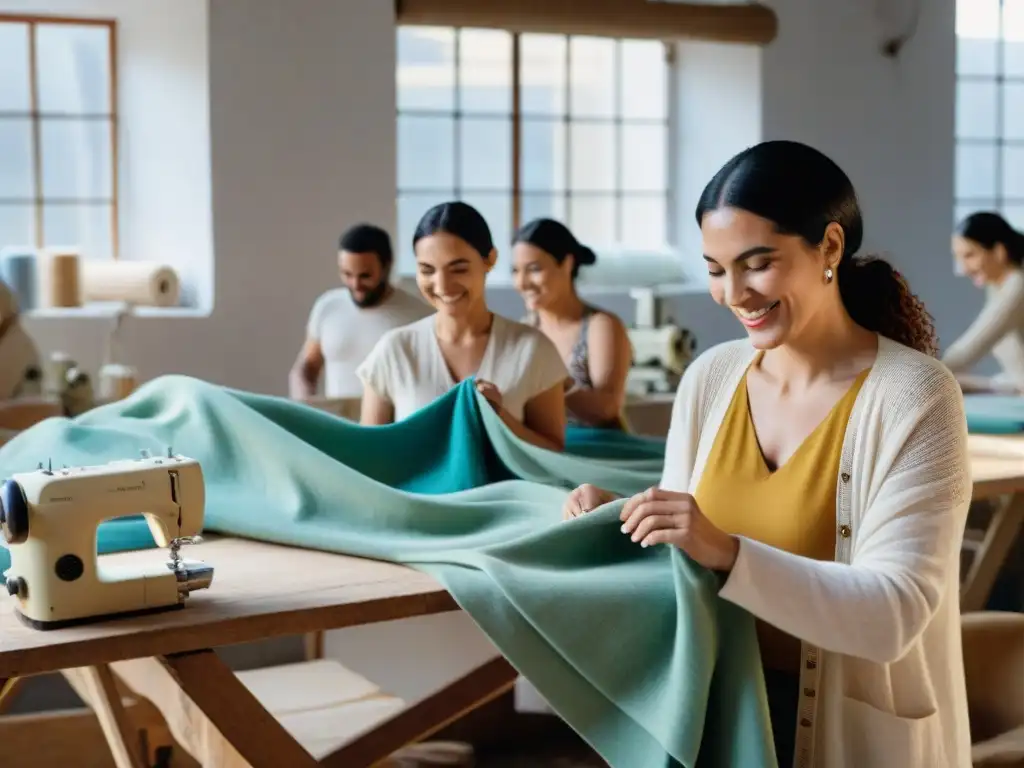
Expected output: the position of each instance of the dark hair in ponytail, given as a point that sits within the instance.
(801, 191)
(555, 239)
(459, 219)
(989, 229)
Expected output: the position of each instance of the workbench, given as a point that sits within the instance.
(261, 591)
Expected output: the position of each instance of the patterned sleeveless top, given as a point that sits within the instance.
(578, 363)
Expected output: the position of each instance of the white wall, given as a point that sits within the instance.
(164, 108)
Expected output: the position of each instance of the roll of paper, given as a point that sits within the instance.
(59, 281)
(134, 282)
(19, 272)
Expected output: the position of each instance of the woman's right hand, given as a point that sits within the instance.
(586, 498)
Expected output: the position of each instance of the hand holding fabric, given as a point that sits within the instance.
(668, 517)
(585, 498)
(491, 392)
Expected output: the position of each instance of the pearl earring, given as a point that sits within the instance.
(829, 274)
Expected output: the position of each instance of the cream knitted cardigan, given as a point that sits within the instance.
(882, 676)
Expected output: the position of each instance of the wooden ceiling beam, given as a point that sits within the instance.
(735, 23)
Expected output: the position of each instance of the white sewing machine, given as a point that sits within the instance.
(661, 349)
(49, 519)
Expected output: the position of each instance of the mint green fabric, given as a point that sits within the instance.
(994, 414)
(631, 646)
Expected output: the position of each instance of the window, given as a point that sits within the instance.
(528, 125)
(990, 108)
(58, 134)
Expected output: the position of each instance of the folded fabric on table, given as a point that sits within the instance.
(631, 646)
(994, 414)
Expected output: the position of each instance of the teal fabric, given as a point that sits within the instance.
(631, 646)
(994, 414)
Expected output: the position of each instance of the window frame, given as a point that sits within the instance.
(516, 191)
(999, 142)
(36, 117)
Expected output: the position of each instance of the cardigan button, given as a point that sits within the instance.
(844, 531)
(805, 722)
(845, 477)
(809, 693)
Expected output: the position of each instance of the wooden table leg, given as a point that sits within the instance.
(96, 687)
(990, 554)
(421, 720)
(254, 733)
(8, 687)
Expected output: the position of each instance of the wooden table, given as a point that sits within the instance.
(259, 591)
(997, 468)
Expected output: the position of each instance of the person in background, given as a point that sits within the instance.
(593, 343)
(21, 372)
(819, 468)
(345, 323)
(991, 253)
(517, 368)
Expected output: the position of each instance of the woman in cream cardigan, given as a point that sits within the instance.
(820, 467)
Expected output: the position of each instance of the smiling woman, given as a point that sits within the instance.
(820, 467)
(516, 367)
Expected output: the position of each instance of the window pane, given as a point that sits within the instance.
(977, 18)
(542, 74)
(1013, 34)
(1013, 172)
(976, 56)
(485, 71)
(426, 152)
(975, 171)
(644, 222)
(644, 158)
(485, 153)
(977, 30)
(644, 80)
(77, 160)
(592, 77)
(592, 220)
(85, 227)
(536, 206)
(542, 154)
(74, 68)
(593, 156)
(16, 158)
(496, 208)
(17, 225)
(426, 68)
(976, 109)
(1013, 110)
(14, 72)
(1014, 214)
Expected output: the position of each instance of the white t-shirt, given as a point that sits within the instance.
(407, 366)
(347, 332)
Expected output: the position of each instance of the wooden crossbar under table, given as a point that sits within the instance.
(259, 591)
(997, 469)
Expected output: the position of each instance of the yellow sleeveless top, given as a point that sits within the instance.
(792, 508)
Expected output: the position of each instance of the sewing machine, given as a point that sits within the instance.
(49, 519)
(661, 349)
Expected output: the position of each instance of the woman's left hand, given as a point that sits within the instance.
(491, 392)
(667, 517)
